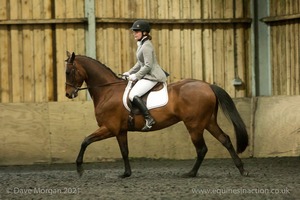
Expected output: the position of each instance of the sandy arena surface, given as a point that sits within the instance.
(270, 178)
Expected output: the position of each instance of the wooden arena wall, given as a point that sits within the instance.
(34, 37)
(284, 23)
(208, 40)
(52, 132)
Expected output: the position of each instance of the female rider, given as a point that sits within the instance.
(146, 71)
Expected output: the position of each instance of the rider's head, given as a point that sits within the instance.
(142, 26)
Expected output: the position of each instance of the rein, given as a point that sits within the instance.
(88, 87)
(73, 73)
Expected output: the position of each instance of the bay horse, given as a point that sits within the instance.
(192, 101)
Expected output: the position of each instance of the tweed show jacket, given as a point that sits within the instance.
(146, 66)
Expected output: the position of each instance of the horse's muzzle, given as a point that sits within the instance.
(72, 95)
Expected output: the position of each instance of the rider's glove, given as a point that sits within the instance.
(125, 75)
(132, 77)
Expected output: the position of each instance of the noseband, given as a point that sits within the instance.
(76, 88)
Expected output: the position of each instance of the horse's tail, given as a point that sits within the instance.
(231, 113)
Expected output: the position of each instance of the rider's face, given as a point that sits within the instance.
(137, 35)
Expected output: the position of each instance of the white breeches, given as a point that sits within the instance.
(141, 87)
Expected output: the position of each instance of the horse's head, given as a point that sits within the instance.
(74, 76)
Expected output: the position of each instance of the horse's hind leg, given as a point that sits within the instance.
(201, 149)
(217, 132)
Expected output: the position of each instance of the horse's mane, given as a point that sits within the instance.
(98, 63)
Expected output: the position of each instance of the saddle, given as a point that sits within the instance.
(156, 97)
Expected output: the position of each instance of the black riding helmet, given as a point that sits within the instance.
(141, 25)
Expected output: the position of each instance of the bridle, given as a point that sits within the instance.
(73, 73)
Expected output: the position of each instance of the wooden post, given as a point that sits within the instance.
(90, 34)
(262, 66)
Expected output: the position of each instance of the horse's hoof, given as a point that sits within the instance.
(245, 173)
(80, 170)
(189, 175)
(125, 175)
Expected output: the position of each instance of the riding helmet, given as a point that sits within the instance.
(141, 25)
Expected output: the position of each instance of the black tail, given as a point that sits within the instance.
(231, 113)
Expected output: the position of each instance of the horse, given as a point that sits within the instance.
(194, 102)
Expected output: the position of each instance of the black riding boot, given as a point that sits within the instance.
(137, 101)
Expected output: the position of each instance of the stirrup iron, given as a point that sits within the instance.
(148, 124)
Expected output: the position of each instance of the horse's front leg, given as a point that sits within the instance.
(100, 134)
(123, 144)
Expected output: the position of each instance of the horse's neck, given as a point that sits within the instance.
(97, 77)
(97, 73)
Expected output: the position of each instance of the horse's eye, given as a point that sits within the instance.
(69, 71)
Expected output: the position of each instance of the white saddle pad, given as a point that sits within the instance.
(155, 99)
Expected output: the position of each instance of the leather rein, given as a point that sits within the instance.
(73, 71)
(88, 87)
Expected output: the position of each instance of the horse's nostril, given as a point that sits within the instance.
(67, 95)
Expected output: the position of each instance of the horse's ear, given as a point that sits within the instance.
(68, 54)
(72, 58)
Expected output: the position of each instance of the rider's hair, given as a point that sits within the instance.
(148, 35)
